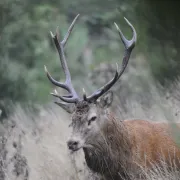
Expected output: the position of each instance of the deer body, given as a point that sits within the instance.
(153, 142)
(113, 148)
(119, 149)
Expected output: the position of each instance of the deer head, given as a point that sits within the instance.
(89, 113)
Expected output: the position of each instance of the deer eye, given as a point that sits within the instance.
(92, 119)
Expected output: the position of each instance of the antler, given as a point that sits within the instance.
(72, 97)
(129, 45)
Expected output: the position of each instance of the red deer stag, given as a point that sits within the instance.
(112, 148)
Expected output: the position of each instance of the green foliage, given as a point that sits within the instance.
(162, 38)
(26, 45)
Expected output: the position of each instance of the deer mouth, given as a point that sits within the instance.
(75, 149)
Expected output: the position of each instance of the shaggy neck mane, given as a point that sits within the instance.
(110, 149)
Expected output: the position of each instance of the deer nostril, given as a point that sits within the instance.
(75, 143)
(72, 144)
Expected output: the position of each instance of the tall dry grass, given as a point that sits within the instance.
(34, 146)
(38, 146)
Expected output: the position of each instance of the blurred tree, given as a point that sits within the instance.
(160, 24)
(157, 24)
(25, 46)
(25, 43)
(163, 41)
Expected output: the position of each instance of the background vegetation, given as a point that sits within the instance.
(25, 43)
(32, 145)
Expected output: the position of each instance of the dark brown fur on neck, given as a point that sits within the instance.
(110, 154)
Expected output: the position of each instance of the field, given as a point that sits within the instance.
(33, 145)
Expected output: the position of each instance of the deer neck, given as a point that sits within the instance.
(110, 145)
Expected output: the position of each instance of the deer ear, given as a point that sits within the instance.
(106, 100)
(69, 108)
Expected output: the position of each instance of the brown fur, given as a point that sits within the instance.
(153, 142)
(110, 155)
(122, 147)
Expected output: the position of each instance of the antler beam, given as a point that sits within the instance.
(72, 97)
(129, 45)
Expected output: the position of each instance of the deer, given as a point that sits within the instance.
(113, 148)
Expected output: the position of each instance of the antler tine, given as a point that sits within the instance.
(129, 45)
(70, 30)
(67, 85)
(54, 81)
(68, 98)
(66, 106)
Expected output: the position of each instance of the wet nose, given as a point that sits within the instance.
(73, 144)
